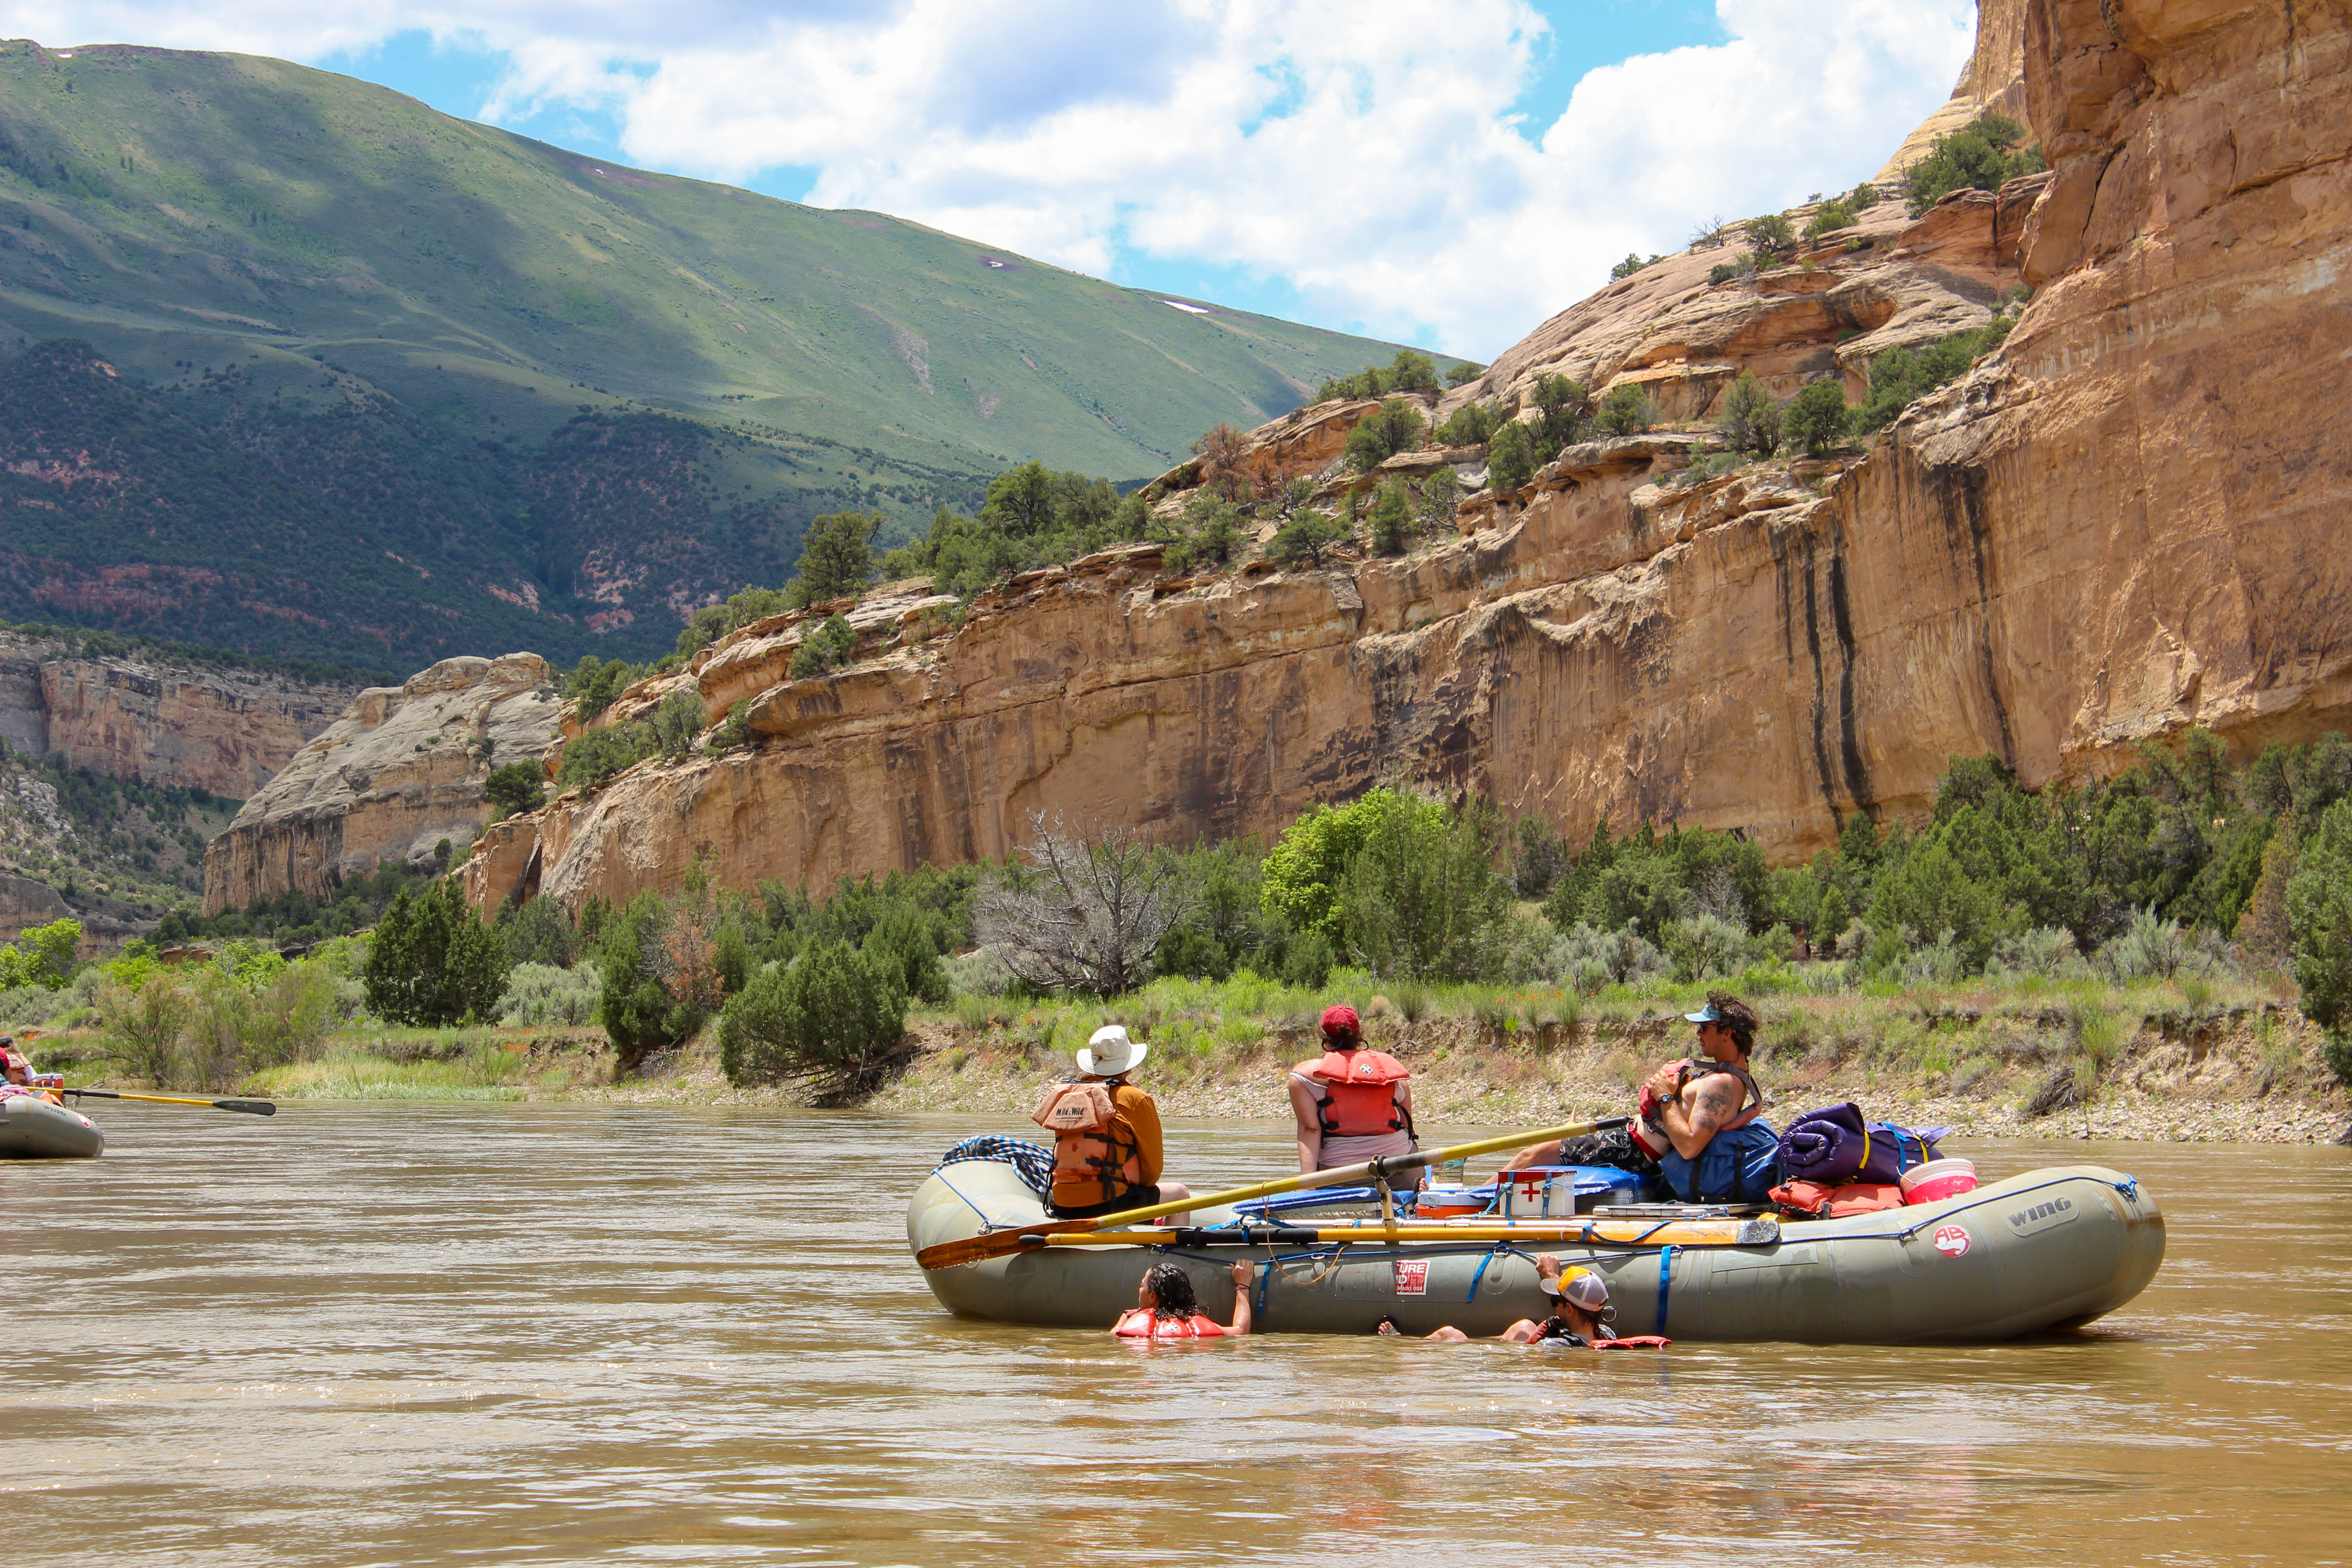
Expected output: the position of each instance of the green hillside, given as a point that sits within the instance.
(327, 297)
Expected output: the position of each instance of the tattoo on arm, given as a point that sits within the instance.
(1717, 1105)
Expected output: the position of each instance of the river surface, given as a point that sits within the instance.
(514, 1334)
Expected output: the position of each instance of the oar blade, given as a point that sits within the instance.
(250, 1107)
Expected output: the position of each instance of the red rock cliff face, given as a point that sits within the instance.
(2122, 525)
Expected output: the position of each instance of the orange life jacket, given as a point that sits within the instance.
(1361, 1096)
(1143, 1323)
(1633, 1343)
(1092, 1142)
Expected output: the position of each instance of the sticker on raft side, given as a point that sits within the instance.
(1413, 1277)
(2043, 1215)
(1953, 1240)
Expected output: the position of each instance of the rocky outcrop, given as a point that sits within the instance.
(1993, 82)
(396, 774)
(2120, 526)
(146, 720)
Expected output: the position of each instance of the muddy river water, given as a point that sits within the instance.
(394, 1334)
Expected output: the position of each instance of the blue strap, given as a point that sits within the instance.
(1265, 1273)
(1666, 1278)
(1498, 1249)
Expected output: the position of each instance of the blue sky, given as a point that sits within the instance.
(461, 75)
(1447, 175)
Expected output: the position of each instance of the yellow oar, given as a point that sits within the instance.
(1018, 1239)
(1763, 1230)
(250, 1107)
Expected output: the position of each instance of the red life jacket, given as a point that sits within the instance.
(1361, 1096)
(1142, 1324)
(1092, 1142)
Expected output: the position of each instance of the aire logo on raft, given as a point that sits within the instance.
(2042, 1216)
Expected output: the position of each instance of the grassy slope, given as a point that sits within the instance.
(177, 207)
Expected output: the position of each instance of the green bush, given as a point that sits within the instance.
(1441, 496)
(1207, 533)
(1395, 427)
(1307, 865)
(1510, 458)
(735, 730)
(826, 649)
(594, 755)
(1631, 265)
(517, 787)
(1817, 417)
(593, 683)
(1563, 410)
(641, 1011)
(1770, 234)
(1410, 371)
(1421, 900)
(1306, 539)
(538, 931)
(543, 995)
(834, 1016)
(1627, 411)
(42, 955)
(432, 963)
(1834, 213)
(1751, 417)
(677, 725)
(1724, 271)
(1980, 155)
(1463, 375)
(1898, 376)
(1468, 425)
(1391, 519)
(2319, 913)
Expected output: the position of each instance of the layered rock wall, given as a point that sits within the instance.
(401, 771)
(134, 718)
(2122, 525)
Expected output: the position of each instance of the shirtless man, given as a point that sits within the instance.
(1698, 1115)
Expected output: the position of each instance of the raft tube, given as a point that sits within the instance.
(33, 1128)
(2049, 1249)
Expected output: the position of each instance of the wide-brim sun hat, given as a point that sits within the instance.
(1111, 1053)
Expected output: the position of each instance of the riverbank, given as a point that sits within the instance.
(2185, 1061)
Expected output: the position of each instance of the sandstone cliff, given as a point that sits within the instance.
(398, 773)
(2118, 527)
(141, 719)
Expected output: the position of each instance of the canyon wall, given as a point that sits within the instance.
(398, 772)
(2118, 527)
(138, 719)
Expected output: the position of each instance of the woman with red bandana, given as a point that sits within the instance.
(1353, 1104)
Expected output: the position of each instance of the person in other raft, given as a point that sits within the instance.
(1353, 1104)
(1167, 1309)
(1580, 1316)
(16, 1074)
(1107, 1144)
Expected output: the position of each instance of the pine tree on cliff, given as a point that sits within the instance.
(836, 559)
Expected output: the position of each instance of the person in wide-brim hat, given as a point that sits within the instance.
(1108, 1149)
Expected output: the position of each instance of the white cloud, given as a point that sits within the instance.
(1362, 151)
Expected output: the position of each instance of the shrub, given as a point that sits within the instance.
(1510, 458)
(42, 955)
(1463, 375)
(1627, 411)
(1222, 469)
(1898, 376)
(1539, 854)
(2150, 948)
(1770, 234)
(1705, 947)
(735, 730)
(1395, 427)
(826, 649)
(540, 995)
(1751, 417)
(2044, 950)
(1209, 531)
(1589, 958)
(143, 1028)
(596, 755)
(1817, 417)
(432, 963)
(1468, 425)
(1306, 539)
(2319, 912)
(834, 1016)
(517, 787)
(1391, 519)
(1441, 494)
(677, 724)
(658, 980)
(1631, 265)
(1563, 410)
(593, 683)
(1308, 865)
(1308, 961)
(836, 559)
(907, 941)
(1724, 271)
(1834, 213)
(1422, 899)
(1980, 155)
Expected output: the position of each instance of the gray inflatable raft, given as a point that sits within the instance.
(33, 1128)
(2053, 1248)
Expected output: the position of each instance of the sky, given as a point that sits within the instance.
(1445, 175)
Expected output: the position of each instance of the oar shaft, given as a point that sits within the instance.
(1760, 1231)
(250, 1107)
(1352, 1176)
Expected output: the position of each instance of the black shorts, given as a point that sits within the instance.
(1140, 1198)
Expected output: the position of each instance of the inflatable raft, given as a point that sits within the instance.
(33, 1128)
(2049, 1249)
